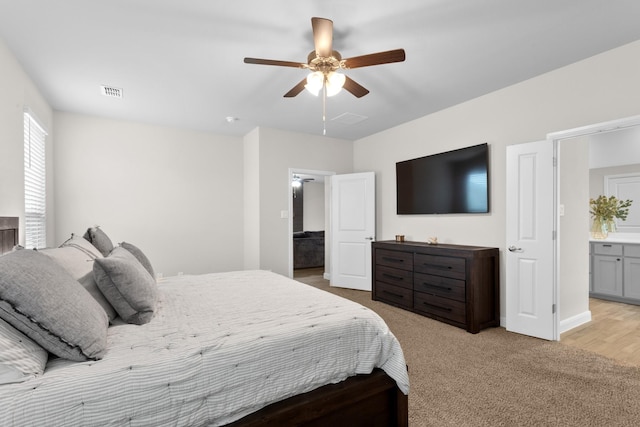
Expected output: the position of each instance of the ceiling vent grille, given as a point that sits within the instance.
(111, 92)
(349, 118)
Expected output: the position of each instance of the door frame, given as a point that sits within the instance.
(555, 138)
(327, 219)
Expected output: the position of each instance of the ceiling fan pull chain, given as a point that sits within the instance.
(324, 108)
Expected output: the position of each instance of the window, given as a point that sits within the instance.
(34, 183)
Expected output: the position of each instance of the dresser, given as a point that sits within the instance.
(456, 284)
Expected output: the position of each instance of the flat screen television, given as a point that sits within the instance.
(453, 182)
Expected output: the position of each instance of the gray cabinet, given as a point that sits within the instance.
(632, 271)
(615, 271)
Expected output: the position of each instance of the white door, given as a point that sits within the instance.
(530, 242)
(353, 226)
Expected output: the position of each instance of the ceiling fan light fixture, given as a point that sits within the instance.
(315, 81)
(335, 81)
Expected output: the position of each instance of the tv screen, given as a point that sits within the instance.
(445, 183)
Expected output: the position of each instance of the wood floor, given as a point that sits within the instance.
(614, 330)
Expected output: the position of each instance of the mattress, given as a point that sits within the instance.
(220, 346)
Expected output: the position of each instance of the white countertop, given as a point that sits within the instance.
(619, 238)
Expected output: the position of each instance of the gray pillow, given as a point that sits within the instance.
(99, 239)
(43, 301)
(127, 285)
(140, 256)
(78, 261)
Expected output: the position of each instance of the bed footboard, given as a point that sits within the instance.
(363, 400)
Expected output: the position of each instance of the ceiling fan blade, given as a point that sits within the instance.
(296, 89)
(387, 57)
(322, 36)
(274, 62)
(356, 89)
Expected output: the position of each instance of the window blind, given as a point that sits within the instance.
(34, 183)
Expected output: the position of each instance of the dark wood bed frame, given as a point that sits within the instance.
(372, 400)
(363, 400)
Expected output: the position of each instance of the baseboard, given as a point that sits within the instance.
(575, 321)
(565, 325)
(326, 276)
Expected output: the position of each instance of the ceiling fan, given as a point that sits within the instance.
(324, 62)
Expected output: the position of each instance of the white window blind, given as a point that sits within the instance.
(34, 183)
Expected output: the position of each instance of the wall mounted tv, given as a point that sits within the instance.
(452, 182)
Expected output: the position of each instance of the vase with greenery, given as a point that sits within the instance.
(604, 210)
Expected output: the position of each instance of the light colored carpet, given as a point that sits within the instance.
(497, 378)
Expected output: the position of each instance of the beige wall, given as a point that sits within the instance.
(18, 92)
(602, 88)
(252, 200)
(279, 152)
(574, 228)
(177, 194)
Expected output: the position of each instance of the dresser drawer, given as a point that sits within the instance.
(441, 286)
(396, 295)
(438, 306)
(395, 259)
(395, 276)
(607, 249)
(440, 266)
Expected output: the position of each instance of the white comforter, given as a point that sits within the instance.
(220, 347)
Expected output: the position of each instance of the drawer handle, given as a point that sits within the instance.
(438, 267)
(437, 306)
(391, 276)
(606, 246)
(431, 285)
(393, 294)
(386, 258)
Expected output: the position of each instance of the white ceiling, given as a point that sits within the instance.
(180, 62)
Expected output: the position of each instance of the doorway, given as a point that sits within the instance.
(572, 220)
(309, 222)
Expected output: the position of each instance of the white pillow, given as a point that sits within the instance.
(20, 357)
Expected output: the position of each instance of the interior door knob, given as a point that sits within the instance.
(514, 249)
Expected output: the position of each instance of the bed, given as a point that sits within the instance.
(243, 348)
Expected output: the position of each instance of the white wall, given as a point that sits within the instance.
(17, 91)
(280, 151)
(313, 206)
(176, 194)
(615, 148)
(598, 89)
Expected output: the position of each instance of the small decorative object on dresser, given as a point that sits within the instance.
(459, 285)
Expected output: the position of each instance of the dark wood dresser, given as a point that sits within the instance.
(459, 285)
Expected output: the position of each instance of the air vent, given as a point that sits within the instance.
(349, 118)
(111, 92)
